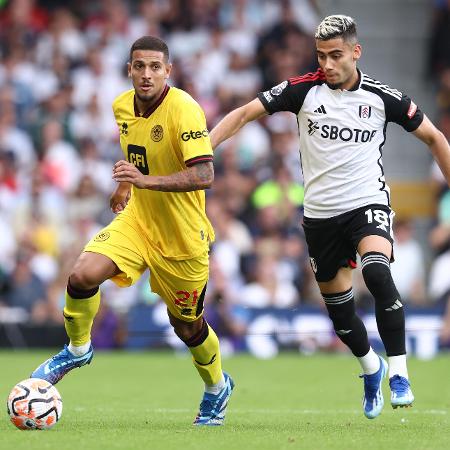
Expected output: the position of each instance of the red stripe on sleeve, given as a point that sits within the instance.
(198, 160)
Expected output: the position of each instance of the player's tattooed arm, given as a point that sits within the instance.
(197, 177)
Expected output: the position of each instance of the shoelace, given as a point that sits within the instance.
(399, 383)
(62, 355)
(370, 388)
(206, 406)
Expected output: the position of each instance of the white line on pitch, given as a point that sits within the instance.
(437, 412)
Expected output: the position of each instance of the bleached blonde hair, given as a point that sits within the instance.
(337, 25)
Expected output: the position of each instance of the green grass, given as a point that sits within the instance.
(148, 401)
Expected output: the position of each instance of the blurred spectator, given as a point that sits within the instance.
(439, 53)
(13, 139)
(25, 289)
(60, 70)
(408, 269)
(219, 308)
(40, 199)
(445, 330)
(97, 78)
(21, 22)
(108, 331)
(285, 49)
(60, 161)
(86, 201)
(439, 284)
(282, 192)
(268, 289)
(233, 241)
(9, 183)
(62, 37)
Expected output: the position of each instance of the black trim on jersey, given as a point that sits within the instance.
(355, 86)
(290, 94)
(198, 160)
(152, 108)
(383, 183)
(396, 105)
(300, 150)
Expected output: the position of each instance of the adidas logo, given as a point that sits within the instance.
(397, 305)
(343, 332)
(320, 110)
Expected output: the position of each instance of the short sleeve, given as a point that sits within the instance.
(290, 94)
(193, 135)
(280, 98)
(404, 112)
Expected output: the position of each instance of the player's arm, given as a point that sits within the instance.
(235, 120)
(119, 198)
(194, 178)
(437, 144)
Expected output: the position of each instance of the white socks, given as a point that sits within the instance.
(397, 366)
(79, 350)
(370, 362)
(215, 388)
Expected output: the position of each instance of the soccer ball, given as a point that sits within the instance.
(34, 404)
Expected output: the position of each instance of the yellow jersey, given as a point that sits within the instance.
(169, 137)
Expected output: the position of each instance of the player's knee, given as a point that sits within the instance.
(378, 278)
(341, 315)
(341, 309)
(82, 279)
(191, 333)
(376, 271)
(87, 274)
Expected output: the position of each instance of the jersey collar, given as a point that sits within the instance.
(355, 87)
(357, 83)
(152, 108)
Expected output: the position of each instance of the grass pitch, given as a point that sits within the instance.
(148, 401)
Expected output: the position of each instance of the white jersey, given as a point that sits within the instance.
(342, 134)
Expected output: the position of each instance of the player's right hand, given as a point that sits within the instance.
(119, 198)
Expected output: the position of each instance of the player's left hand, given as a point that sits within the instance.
(123, 171)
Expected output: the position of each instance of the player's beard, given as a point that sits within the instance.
(146, 98)
(335, 85)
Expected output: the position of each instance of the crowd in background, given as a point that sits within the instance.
(61, 66)
(439, 238)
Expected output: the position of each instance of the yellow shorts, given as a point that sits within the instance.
(181, 284)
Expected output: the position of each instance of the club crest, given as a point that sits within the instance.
(365, 111)
(157, 133)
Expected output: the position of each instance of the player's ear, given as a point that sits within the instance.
(129, 69)
(357, 51)
(168, 70)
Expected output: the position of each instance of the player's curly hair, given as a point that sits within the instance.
(150, 43)
(337, 26)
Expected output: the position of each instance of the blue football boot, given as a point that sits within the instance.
(213, 407)
(57, 366)
(373, 396)
(401, 394)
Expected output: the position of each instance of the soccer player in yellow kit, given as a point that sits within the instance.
(161, 225)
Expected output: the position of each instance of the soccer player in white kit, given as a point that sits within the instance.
(342, 115)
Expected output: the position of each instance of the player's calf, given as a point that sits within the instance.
(347, 325)
(388, 306)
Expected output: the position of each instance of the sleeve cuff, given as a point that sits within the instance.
(198, 160)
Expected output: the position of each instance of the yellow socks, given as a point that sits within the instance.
(206, 355)
(79, 312)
